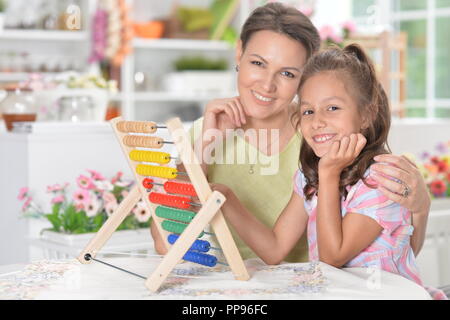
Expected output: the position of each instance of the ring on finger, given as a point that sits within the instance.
(406, 191)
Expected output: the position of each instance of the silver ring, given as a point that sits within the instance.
(406, 192)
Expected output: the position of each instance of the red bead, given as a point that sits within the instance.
(180, 188)
(169, 200)
(147, 183)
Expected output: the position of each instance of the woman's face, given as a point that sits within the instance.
(327, 112)
(269, 73)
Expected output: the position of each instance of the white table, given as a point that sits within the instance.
(68, 279)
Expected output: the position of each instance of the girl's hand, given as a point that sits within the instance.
(342, 154)
(405, 174)
(224, 114)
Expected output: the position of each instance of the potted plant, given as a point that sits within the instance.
(2, 14)
(199, 75)
(75, 216)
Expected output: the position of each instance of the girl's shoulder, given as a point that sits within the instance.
(367, 199)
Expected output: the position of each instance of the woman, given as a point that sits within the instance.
(275, 43)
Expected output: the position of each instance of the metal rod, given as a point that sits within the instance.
(89, 257)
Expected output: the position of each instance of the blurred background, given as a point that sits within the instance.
(66, 66)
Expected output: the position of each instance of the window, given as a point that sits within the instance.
(427, 23)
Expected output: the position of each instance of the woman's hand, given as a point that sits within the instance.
(342, 154)
(224, 114)
(416, 198)
(407, 177)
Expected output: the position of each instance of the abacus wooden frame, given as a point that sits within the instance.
(209, 213)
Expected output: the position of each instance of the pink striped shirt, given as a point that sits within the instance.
(391, 251)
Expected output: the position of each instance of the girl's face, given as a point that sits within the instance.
(327, 112)
(269, 73)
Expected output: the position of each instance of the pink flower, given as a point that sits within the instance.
(92, 208)
(350, 26)
(23, 192)
(58, 199)
(110, 207)
(95, 175)
(142, 212)
(124, 193)
(81, 197)
(325, 32)
(57, 187)
(27, 203)
(85, 182)
(117, 177)
(109, 197)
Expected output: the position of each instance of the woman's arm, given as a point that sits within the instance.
(418, 201)
(271, 245)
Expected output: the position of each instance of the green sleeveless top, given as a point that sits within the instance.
(263, 184)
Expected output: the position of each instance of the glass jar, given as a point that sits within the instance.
(18, 106)
(76, 108)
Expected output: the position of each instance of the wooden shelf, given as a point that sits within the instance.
(173, 96)
(181, 44)
(15, 34)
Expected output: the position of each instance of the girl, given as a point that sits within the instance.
(344, 120)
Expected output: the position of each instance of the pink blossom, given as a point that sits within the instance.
(110, 207)
(95, 175)
(27, 203)
(92, 208)
(85, 182)
(125, 193)
(350, 26)
(57, 187)
(117, 177)
(142, 212)
(109, 197)
(326, 32)
(81, 197)
(58, 199)
(23, 192)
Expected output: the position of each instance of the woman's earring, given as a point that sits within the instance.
(237, 68)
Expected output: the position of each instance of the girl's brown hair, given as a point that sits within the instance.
(284, 20)
(358, 73)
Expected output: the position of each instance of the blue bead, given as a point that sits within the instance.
(198, 245)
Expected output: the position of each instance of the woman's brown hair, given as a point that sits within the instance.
(355, 68)
(284, 20)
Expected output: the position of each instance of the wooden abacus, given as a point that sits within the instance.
(171, 214)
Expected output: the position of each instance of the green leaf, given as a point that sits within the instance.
(55, 221)
(56, 207)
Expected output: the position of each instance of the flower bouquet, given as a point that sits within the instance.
(436, 170)
(88, 207)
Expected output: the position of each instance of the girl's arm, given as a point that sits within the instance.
(271, 245)
(418, 202)
(339, 240)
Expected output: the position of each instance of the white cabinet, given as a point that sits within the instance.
(54, 153)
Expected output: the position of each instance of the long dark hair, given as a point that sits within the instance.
(284, 20)
(355, 68)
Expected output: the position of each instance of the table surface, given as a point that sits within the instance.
(68, 279)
